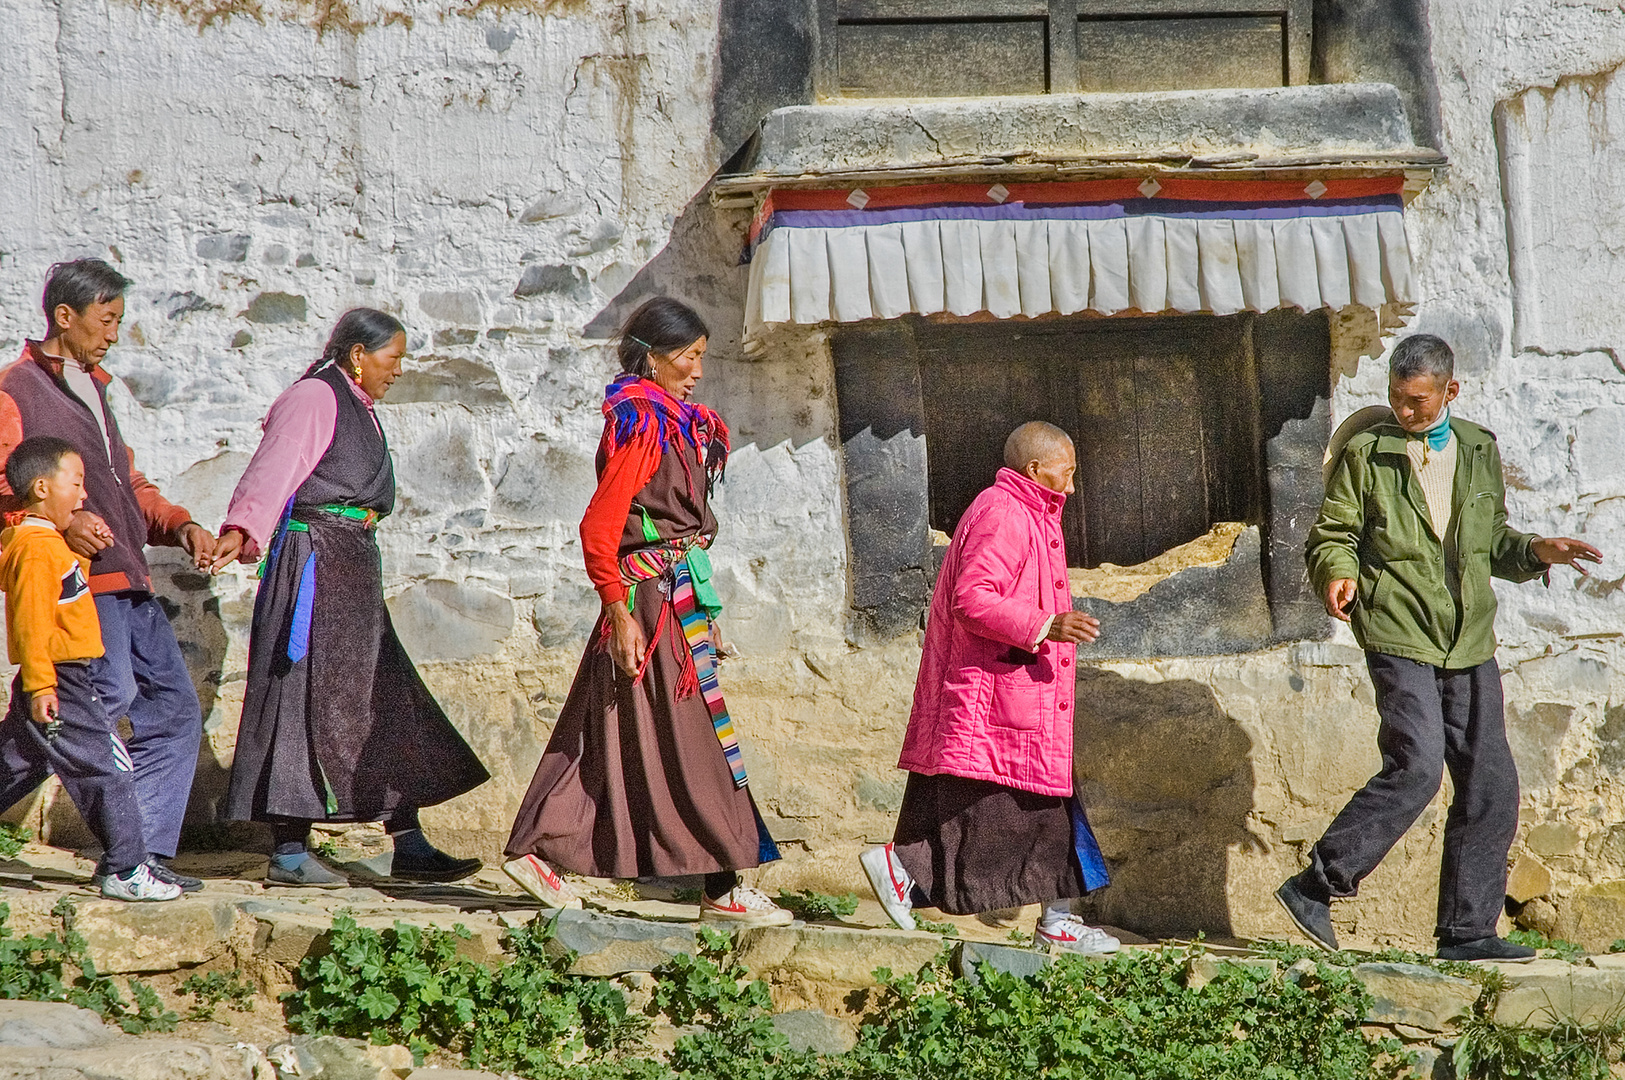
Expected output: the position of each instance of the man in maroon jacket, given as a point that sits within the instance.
(57, 387)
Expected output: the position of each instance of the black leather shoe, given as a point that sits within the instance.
(436, 867)
(1314, 917)
(161, 870)
(1486, 948)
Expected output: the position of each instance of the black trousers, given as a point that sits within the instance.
(1433, 719)
(86, 754)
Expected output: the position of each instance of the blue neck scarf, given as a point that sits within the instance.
(1438, 436)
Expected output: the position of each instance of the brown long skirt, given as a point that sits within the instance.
(974, 845)
(634, 782)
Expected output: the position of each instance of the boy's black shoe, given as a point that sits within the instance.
(1487, 948)
(1314, 917)
(436, 867)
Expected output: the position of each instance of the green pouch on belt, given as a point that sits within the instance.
(705, 594)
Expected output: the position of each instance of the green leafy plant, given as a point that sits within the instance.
(409, 985)
(946, 929)
(57, 967)
(1020, 937)
(1554, 948)
(817, 906)
(1618, 946)
(215, 988)
(12, 839)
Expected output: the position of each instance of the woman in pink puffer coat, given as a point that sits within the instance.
(989, 816)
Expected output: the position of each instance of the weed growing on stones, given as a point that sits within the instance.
(57, 967)
(1489, 1051)
(1551, 948)
(12, 839)
(817, 906)
(215, 988)
(946, 929)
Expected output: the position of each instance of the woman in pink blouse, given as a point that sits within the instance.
(337, 725)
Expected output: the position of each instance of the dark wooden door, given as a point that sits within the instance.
(1162, 412)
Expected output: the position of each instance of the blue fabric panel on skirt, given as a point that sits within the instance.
(1095, 874)
(767, 848)
(299, 630)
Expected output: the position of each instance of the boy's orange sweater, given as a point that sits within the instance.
(50, 614)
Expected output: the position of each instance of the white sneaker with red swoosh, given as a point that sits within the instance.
(1072, 934)
(891, 884)
(743, 906)
(541, 881)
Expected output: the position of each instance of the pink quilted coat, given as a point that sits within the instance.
(984, 706)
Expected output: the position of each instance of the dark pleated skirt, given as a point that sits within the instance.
(634, 782)
(973, 845)
(348, 731)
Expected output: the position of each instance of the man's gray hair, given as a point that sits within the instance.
(1033, 441)
(1422, 354)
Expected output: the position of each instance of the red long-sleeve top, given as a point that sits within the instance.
(622, 473)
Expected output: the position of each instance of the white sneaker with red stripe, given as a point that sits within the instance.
(891, 884)
(541, 881)
(743, 906)
(1072, 934)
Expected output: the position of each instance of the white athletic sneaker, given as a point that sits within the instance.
(541, 881)
(891, 884)
(139, 885)
(1072, 934)
(743, 906)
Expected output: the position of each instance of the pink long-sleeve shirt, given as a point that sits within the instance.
(298, 430)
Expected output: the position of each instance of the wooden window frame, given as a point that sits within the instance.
(1061, 74)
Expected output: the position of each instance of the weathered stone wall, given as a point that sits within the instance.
(511, 177)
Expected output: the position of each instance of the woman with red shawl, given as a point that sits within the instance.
(643, 776)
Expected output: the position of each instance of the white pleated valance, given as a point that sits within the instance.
(820, 266)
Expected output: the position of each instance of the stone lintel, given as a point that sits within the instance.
(1286, 126)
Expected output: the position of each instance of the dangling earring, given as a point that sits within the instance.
(355, 371)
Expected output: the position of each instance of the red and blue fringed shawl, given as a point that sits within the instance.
(636, 407)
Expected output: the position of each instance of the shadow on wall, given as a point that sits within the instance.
(1167, 779)
(766, 401)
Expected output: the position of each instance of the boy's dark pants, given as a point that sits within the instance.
(85, 754)
(1433, 719)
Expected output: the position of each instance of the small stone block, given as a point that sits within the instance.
(1548, 993)
(1528, 879)
(49, 1023)
(1009, 959)
(816, 1031)
(1416, 996)
(1203, 968)
(609, 945)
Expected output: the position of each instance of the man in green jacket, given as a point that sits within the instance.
(1411, 530)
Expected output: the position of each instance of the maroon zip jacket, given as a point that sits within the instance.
(35, 400)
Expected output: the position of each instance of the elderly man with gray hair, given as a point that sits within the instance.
(989, 817)
(1412, 528)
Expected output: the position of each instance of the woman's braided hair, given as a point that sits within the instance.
(367, 327)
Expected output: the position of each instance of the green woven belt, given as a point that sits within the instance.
(354, 513)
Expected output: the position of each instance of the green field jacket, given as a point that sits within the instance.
(1374, 528)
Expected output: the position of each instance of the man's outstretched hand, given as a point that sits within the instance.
(1074, 626)
(1565, 551)
(1339, 598)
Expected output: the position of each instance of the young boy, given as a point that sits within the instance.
(55, 722)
